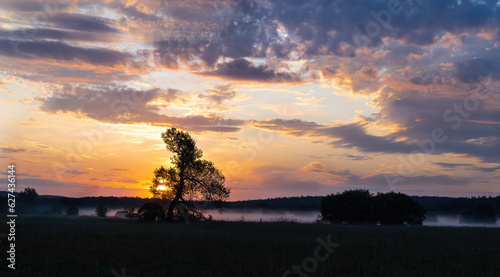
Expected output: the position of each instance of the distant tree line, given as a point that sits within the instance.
(298, 203)
(457, 205)
(481, 213)
(471, 209)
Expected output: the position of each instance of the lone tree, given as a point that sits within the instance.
(189, 179)
(101, 211)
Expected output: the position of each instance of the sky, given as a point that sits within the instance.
(287, 98)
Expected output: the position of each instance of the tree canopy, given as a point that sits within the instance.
(101, 211)
(190, 179)
(398, 208)
(361, 207)
(72, 210)
(29, 196)
(151, 212)
(350, 206)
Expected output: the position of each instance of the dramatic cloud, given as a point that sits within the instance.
(56, 34)
(360, 83)
(129, 106)
(451, 165)
(80, 22)
(245, 38)
(43, 184)
(321, 178)
(61, 51)
(355, 135)
(33, 6)
(326, 27)
(241, 69)
(219, 95)
(456, 166)
(476, 70)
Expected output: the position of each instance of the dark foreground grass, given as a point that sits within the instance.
(50, 246)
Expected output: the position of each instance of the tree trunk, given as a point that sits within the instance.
(170, 212)
(175, 201)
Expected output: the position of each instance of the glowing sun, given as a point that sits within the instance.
(162, 187)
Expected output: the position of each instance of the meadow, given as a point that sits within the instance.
(89, 246)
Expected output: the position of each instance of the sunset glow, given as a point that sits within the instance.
(162, 187)
(285, 100)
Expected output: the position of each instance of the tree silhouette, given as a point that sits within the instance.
(398, 208)
(130, 213)
(151, 212)
(101, 211)
(190, 179)
(72, 211)
(360, 206)
(350, 206)
(29, 196)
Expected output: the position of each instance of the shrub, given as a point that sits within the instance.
(151, 211)
(101, 211)
(72, 211)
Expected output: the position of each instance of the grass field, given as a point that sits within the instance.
(51, 246)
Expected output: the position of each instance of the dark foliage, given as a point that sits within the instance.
(361, 207)
(130, 213)
(151, 211)
(482, 213)
(302, 203)
(28, 196)
(56, 209)
(190, 180)
(350, 206)
(397, 208)
(72, 211)
(101, 211)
